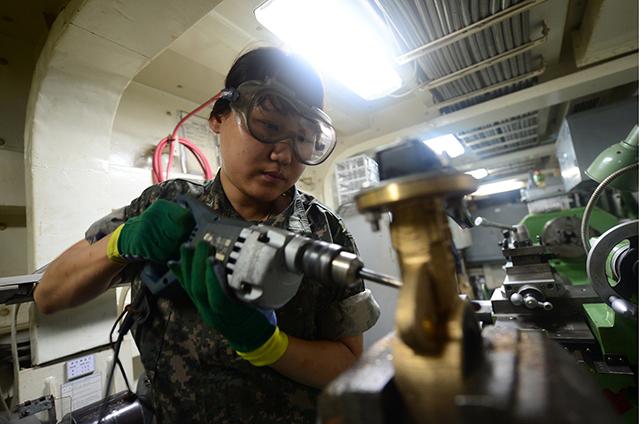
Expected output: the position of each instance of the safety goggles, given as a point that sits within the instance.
(272, 114)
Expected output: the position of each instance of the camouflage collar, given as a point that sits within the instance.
(293, 217)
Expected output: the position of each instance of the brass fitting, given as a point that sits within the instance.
(429, 313)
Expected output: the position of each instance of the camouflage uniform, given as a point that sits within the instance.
(194, 375)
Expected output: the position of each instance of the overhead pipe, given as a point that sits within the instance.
(486, 155)
(483, 64)
(491, 154)
(441, 17)
(517, 167)
(495, 87)
(534, 153)
(496, 125)
(467, 31)
(500, 135)
(507, 143)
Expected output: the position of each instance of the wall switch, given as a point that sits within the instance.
(80, 366)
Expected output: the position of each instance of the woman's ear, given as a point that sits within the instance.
(214, 123)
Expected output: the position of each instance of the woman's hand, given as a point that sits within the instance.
(154, 235)
(253, 333)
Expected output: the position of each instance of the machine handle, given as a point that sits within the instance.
(484, 222)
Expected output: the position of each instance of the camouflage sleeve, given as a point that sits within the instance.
(166, 190)
(353, 310)
(105, 225)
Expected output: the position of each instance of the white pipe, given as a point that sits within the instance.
(454, 100)
(500, 124)
(483, 64)
(500, 135)
(505, 144)
(467, 31)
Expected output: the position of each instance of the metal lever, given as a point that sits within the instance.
(529, 301)
(484, 222)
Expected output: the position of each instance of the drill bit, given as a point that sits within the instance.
(376, 277)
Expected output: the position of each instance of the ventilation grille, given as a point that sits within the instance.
(486, 64)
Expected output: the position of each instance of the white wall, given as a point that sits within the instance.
(94, 49)
(144, 116)
(11, 178)
(13, 240)
(19, 45)
(13, 251)
(15, 80)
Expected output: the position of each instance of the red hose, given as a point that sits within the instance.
(157, 172)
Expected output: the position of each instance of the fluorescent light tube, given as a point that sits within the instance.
(479, 173)
(344, 39)
(498, 187)
(448, 144)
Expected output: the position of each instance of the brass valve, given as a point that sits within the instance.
(428, 348)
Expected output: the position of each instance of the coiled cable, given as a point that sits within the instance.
(586, 216)
(157, 172)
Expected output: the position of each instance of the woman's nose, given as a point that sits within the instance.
(283, 152)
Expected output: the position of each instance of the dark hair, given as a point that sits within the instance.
(270, 62)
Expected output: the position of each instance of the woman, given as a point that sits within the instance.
(206, 359)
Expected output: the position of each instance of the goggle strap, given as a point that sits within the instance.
(229, 94)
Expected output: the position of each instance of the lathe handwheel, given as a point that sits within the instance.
(597, 259)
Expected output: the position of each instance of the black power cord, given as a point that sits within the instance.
(128, 318)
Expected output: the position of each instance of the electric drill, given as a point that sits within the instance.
(264, 265)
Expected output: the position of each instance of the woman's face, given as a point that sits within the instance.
(262, 172)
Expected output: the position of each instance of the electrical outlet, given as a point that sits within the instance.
(80, 366)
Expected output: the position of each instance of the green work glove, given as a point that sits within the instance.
(154, 235)
(252, 332)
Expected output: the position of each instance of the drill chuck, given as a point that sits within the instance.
(321, 261)
(330, 263)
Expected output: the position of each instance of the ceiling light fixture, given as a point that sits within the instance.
(448, 144)
(498, 187)
(345, 39)
(479, 173)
